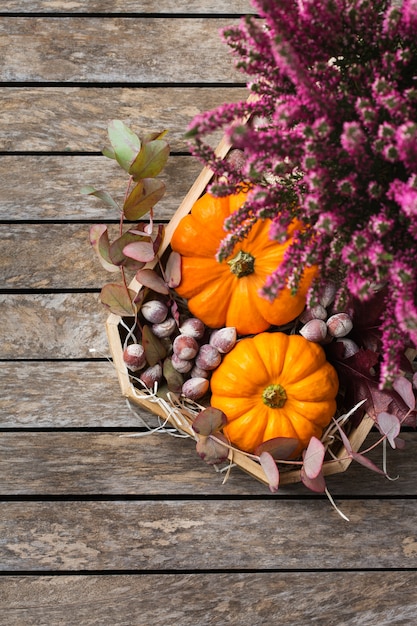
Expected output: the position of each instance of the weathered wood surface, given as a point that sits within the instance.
(79, 500)
(119, 50)
(207, 599)
(201, 535)
(61, 463)
(69, 119)
(126, 6)
(58, 198)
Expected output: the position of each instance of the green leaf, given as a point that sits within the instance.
(99, 239)
(174, 379)
(118, 299)
(151, 160)
(143, 198)
(152, 136)
(125, 143)
(102, 195)
(154, 348)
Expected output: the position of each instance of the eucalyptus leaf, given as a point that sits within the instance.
(149, 278)
(281, 448)
(117, 255)
(173, 270)
(102, 195)
(316, 484)
(142, 251)
(118, 299)
(174, 379)
(150, 160)
(389, 425)
(212, 450)
(99, 239)
(125, 143)
(143, 198)
(313, 458)
(154, 348)
(271, 470)
(208, 421)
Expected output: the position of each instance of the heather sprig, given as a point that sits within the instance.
(331, 140)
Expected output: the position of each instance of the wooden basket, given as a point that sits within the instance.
(180, 417)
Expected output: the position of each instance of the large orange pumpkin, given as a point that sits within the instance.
(227, 293)
(274, 385)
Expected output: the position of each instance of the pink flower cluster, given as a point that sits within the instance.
(331, 140)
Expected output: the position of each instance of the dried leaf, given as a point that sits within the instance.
(316, 484)
(405, 389)
(150, 160)
(118, 300)
(125, 143)
(173, 270)
(99, 239)
(313, 458)
(208, 421)
(154, 348)
(389, 425)
(149, 278)
(281, 448)
(271, 470)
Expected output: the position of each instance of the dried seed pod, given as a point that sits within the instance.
(154, 311)
(349, 347)
(185, 347)
(315, 330)
(151, 375)
(339, 325)
(165, 328)
(195, 388)
(134, 357)
(208, 357)
(223, 339)
(193, 327)
(198, 372)
(181, 365)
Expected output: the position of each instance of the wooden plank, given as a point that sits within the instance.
(52, 326)
(290, 598)
(65, 394)
(75, 118)
(62, 463)
(50, 188)
(126, 6)
(204, 534)
(123, 50)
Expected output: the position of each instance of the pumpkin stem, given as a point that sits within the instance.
(274, 396)
(242, 264)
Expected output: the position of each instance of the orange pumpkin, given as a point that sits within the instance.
(227, 293)
(274, 385)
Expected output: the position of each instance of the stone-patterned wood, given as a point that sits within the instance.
(120, 50)
(50, 188)
(62, 463)
(247, 599)
(75, 118)
(126, 6)
(202, 535)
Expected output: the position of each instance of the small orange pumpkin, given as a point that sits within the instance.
(274, 385)
(227, 293)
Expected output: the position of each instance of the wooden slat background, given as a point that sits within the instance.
(96, 526)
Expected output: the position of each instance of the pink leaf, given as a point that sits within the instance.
(389, 425)
(271, 470)
(173, 270)
(208, 421)
(140, 251)
(149, 278)
(99, 239)
(317, 484)
(313, 458)
(399, 443)
(281, 448)
(363, 460)
(344, 438)
(405, 389)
